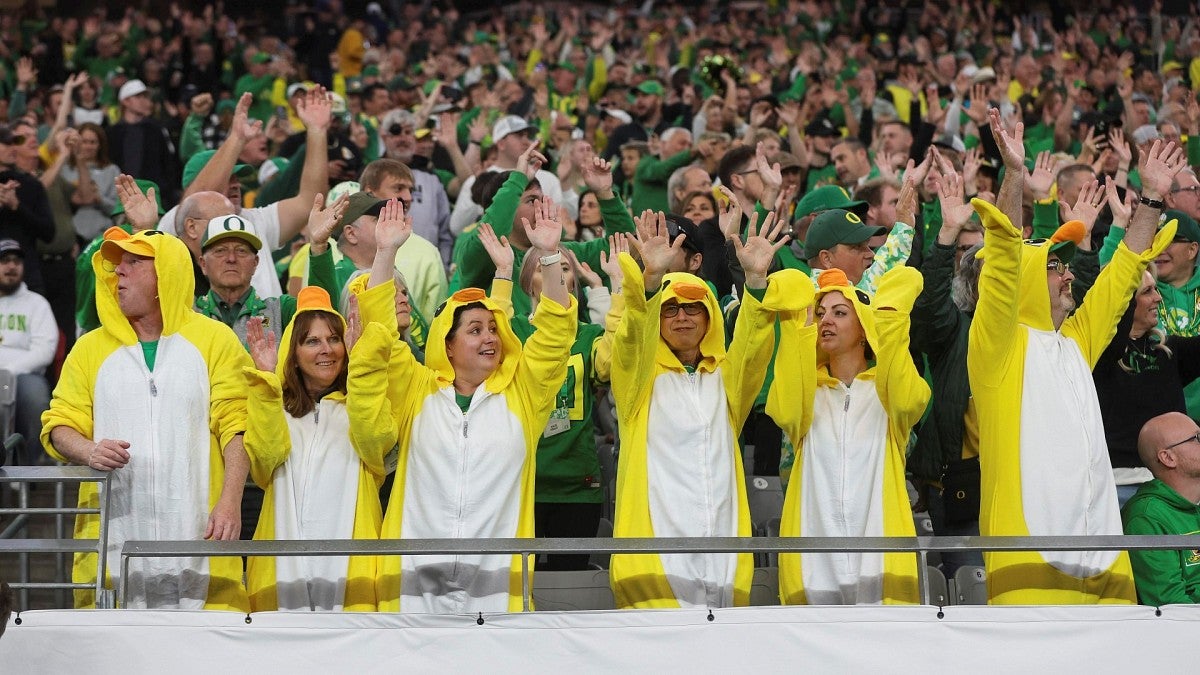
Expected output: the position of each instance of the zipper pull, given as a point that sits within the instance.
(153, 389)
(846, 406)
(464, 425)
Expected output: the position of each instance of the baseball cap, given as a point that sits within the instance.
(822, 126)
(651, 88)
(1145, 134)
(828, 197)
(984, 74)
(230, 227)
(837, 226)
(261, 57)
(1169, 66)
(509, 124)
(1186, 230)
(271, 167)
(620, 115)
(337, 103)
(787, 160)
(677, 225)
(199, 160)
(143, 185)
(362, 204)
(346, 187)
(117, 240)
(130, 89)
(11, 246)
(297, 87)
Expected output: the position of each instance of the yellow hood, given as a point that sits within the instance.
(835, 280)
(176, 285)
(435, 348)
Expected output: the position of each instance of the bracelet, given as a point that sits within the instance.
(1152, 203)
(551, 259)
(500, 278)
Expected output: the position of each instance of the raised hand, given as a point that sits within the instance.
(531, 160)
(1087, 206)
(201, 105)
(771, 175)
(1121, 209)
(586, 274)
(906, 201)
(617, 244)
(955, 211)
(261, 345)
(393, 227)
(978, 108)
(971, 163)
(545, 232)
(760, 248)
(141, 210)
(1158, 167)
(654, 246)
(354, 326)
(324, 220)
(1011, 144)
(316, 109)
(1116, 141)
(498, 249)
(1042, 177)
(730, 217)
(597, 176)
(245, 128)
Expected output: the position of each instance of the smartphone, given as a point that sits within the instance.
(281, 113)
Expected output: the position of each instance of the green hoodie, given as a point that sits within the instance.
(1179, 314)
(1163, 577)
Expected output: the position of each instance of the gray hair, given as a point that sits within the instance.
(674, 183)
(667, 135)
(964, 287)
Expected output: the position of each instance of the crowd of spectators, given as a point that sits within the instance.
(340, 145)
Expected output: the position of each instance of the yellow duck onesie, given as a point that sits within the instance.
(680, 469)
(177, 418)
(1042, 455)
(459, 474)
(848, 478)
(318, 484)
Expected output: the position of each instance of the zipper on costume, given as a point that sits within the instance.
(153, 389)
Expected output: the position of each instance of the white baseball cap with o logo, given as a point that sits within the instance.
(230, 227)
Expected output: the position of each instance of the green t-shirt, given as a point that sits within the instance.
(463, 401)
(150, 351)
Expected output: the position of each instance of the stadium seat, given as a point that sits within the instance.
(599, 561)
(970, 586)
(764, 590)
(765, 495)
(608, 471)
(939, 588)
(566, 591)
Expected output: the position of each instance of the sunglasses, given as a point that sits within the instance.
(690, 309)
(1058, 266)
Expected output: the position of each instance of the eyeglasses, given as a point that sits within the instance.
(690, 309)
(1058, 266)
(1190, 188)
(1189, 439)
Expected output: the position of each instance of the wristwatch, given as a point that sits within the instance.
(1152, 203)
(551, 259)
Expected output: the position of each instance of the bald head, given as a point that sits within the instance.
(194, 214)
(1159, 433)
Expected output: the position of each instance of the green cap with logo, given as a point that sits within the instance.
(199, 160)
(828, 197)
(1186, 230)
(837, 226)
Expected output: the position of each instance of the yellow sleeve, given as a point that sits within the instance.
(543, 365)
(378, 305)
(902, 391)
(535, 57)
(373, 426)
(1094, 323)
(268, 441)
(599, 78)
(790, 399)
(602, 349)
(71, 405)
(996, 312)
(279, 93)
(227, 360)
(748, 357)
(501, 294)
(636, 342)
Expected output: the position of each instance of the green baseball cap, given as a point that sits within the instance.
(144, 186)
(651, 87)
(837, 226)
(361, 204)
(199, 160)
(828, 197)
(1186, 230)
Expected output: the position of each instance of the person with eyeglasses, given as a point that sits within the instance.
(682, 398)
(467, 423)
(1169, 445)
(1044, 465)
(847, 393)
(155, 396)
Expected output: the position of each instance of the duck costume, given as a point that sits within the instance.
(1042, 455)
(177, 413)
(680, 469)
(318, 485)
(461, 472)
(848, 480)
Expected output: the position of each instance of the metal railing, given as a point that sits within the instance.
(63, 543)
(920, 546)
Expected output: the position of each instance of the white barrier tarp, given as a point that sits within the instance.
(744, 640)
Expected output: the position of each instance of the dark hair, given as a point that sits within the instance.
(102, 159)
(706, 194)
(296, 399)
(458, 314)
(732, 162)
(369, 90)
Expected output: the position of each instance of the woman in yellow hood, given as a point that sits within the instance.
(681, 400)
(467, 424)
(848, 389)
(318, 484)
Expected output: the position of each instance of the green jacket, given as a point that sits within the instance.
(650, 181)
(1179, 314)
(1170, 576)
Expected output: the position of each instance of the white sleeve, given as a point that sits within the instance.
(599, 302)
(167, 222)
(43, 337)
(466, 211)
(266, 222)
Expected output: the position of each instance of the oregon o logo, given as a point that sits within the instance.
(853, 217)
(241, 225)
